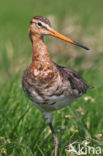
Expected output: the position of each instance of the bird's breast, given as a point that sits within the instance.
(44, 83)
(47, 89)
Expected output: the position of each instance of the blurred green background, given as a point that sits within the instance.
(23, 130)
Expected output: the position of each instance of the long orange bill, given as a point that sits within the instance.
(56, 34)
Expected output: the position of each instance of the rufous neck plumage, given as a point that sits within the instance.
(40, 51)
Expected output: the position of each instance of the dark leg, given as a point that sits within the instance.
(55, 138)
(48, 118)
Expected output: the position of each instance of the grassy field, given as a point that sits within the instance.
(23, 129)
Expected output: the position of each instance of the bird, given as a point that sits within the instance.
(48, 85)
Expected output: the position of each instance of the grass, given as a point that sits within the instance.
(23, 130)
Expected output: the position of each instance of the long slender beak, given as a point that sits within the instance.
(54, 33)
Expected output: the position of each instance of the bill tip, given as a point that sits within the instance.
(82, 46)
(87, 48)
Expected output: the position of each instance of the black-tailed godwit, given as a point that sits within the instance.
(49, 86)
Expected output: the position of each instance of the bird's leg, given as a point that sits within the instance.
(55, 138)
(48, 118)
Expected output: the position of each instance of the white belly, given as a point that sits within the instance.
(55, 103)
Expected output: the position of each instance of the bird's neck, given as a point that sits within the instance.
(42, 68)
(40, 60)
(40, 51)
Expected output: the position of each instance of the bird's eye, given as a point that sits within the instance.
(39, 24)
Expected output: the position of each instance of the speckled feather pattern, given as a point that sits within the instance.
(50, 86)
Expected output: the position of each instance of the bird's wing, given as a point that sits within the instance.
(75, 80)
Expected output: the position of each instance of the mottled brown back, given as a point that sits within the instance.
(75, 79)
